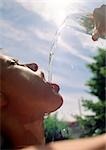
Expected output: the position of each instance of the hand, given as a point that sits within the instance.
(99, 15)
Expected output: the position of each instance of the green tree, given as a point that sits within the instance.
(95, 124)
(55, 129)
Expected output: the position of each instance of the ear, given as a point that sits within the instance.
(3, 100)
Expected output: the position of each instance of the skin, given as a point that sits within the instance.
(25, 98)
(99, 16)
(28, 85)
(95, 143)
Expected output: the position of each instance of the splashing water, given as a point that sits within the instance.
(102, 43)
(55, 41)
(53, 47)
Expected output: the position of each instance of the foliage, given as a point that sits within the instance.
(97, 82)
(56, 130)
(95, 124)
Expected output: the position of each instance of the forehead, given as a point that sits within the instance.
(4, 59)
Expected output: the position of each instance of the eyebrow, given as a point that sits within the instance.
(16, 60)
(12, 60)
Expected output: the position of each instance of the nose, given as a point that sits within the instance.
(32, 66)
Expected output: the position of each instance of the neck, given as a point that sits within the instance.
(22, 135)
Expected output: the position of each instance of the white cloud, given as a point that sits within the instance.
(44, 35)
(11, 32)
(75, 52)
(49, 9)
(57, 11)
(30, 38)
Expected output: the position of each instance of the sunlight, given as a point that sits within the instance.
(58, 10)
(54, 10)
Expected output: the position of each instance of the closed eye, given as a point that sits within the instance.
(15, 61)
(12, 62)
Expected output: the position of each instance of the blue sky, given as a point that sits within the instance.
(28, 30)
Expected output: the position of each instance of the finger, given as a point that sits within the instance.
(94, 38)
(95, 35)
